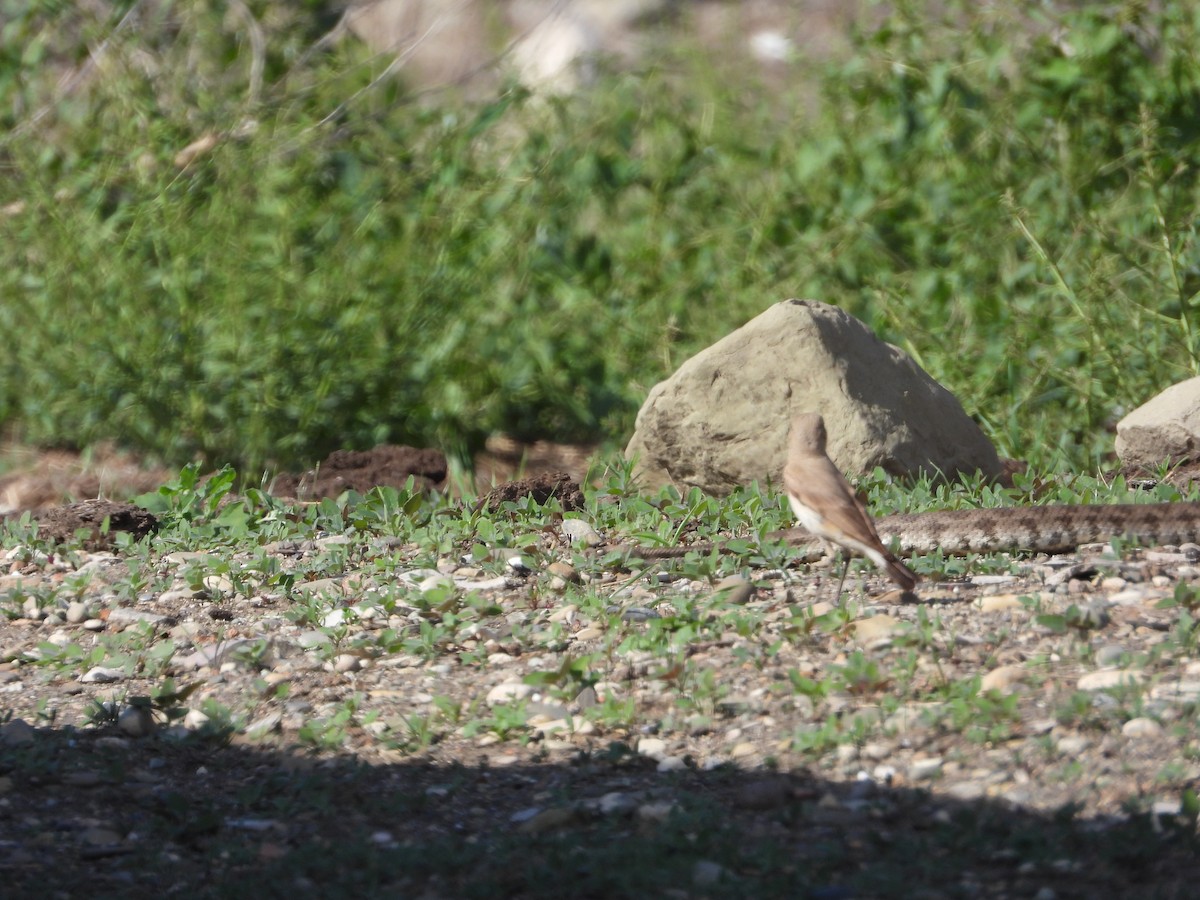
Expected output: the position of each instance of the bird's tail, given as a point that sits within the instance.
(900, 573)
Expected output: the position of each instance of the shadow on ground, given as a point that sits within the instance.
(93, 813)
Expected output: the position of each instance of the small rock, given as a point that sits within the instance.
(562, 574)
(656, 812)
(136, 721)
(1002, 678)
(77, 612)
(102, 675)
(508, 691)
(123, 615)
(181, 595)
(655, 748)
(1109, 678)
(1072, 745)
(264, 726)
(1141, 727)
(735, 589)
(999, 603)
(877, 632)
(1110, 654)
(706, 873)
(547, 819)
(218, 585)
(194, 720)
(924, 769)
(581, 532)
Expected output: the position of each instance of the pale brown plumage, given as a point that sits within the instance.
(825, 504)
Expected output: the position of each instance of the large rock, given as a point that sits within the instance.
(722, 419)
(1166, 427)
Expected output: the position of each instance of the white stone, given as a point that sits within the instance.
(1109, 678)
(509, 691)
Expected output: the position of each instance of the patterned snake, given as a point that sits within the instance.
(1045, 529)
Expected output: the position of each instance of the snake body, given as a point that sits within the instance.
(1044, 529)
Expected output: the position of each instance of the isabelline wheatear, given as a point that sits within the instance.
(825, 504)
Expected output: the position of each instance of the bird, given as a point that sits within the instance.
(825, 504)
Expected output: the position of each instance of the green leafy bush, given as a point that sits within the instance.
(1012, 200)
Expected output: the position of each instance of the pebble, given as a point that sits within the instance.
(1177, 692)
(1072, 745)
(562, 574)
(508, 691)
(924, 769)
(582, 532)
(102, 675)
(194, 720)
(180, 595)
(1109, 654)
(136, 721)
(546, 820)
(1000, 603)
(1134, 596)
(346, 662)
(77, 612)
(655, 812)
(706, 873)
(434, 583)
(1002, 678)
(1141, 727)
(1109, 678)
(871, 632)
(124, 615)
(218, 585)
(264, 726)
(990, 580)
(735, 589)
(654, 748)
(333, 587)
(634, 613)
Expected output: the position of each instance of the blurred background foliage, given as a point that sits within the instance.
(1007, 191)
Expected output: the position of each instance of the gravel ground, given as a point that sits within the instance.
(362, 716)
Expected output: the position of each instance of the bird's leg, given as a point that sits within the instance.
(842, 580)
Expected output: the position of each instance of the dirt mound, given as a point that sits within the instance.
(361, 470)
(540, 487)
(60, 524)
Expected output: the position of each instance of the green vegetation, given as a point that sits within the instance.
(1012, 199)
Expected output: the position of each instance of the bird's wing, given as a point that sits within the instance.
(817, 483)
